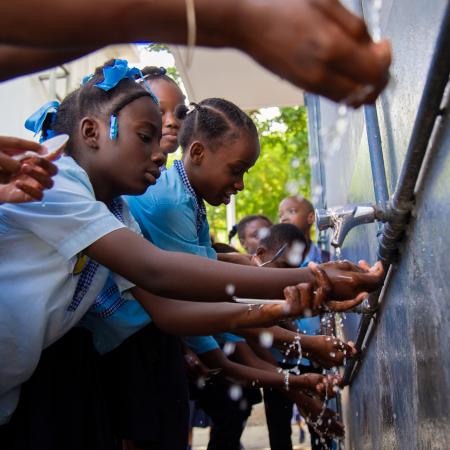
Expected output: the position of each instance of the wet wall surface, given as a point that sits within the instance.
(400, 398)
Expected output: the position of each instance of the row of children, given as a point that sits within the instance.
(91, 281)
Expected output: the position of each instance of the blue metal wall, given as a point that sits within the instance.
(400, 399)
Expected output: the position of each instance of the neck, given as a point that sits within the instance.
(191, 174)
(102, 190)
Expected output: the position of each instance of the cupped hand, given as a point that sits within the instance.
(347, 281)
(329, 351)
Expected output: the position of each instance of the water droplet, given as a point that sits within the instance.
(292, 187)
(263, 233)
(201, 382)
(333, 355)
(295, 163)
(230, 289)
(229, 348)
(235, 392)
(266, 339)
(295, 254)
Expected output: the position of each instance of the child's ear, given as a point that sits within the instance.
(196, 152)
(311, 218)
(90, 132)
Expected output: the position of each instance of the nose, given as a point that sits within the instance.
(159, 157)
(239, 185)
(170, 121)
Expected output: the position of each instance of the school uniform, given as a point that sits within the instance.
(173, 217)
(46, 283)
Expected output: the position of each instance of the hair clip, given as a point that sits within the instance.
(113, 127)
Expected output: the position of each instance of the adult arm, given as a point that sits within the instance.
(17, 60)
(316, 44)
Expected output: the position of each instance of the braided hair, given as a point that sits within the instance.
(215, 120)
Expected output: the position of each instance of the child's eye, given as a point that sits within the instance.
(144, 137)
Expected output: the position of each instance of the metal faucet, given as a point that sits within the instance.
(343, 218)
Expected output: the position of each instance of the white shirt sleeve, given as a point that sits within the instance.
(69, 218)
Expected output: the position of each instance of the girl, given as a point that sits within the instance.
(67, 245)
(169, 96)
(249, 231)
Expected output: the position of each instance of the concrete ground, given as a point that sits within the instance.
(255, 436)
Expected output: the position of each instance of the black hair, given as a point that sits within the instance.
(281, 234)
(214, 120)
(220, 247)
(89, 99)
(239, 228)
(152, 73)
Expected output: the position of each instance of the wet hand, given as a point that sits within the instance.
(321, 385)
(347, 281)
(329, 351)
(318, 45)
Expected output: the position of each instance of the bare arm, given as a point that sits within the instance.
(20, 60)
(317, 45)
(179, 275)
(261, 374)
(188, 318)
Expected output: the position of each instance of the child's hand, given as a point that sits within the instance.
(347, 281)
(317, 45)
(23, 181)
(329, 351)
(324, 421)
(194, 367)
(321, 385)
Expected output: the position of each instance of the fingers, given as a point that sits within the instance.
(324, 287)
(14, 146)
(33, 190)
(39, 174)
(8, 166)
(345, 305)
(298, 298)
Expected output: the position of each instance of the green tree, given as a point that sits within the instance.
(282, 169)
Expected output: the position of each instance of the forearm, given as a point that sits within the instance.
(18, 60)
(184, 276)
(133, 20)
(194, 318)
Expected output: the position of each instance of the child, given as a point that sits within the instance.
(66, 245)
(249, 231)
(169, 96)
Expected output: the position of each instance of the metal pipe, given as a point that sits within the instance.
(429, 108)
(376, 154)
(428, 111)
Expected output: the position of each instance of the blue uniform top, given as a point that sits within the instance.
(173, 218)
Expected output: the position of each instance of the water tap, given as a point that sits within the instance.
(343, 218)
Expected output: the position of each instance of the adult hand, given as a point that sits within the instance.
(23, 181)
(316, 44)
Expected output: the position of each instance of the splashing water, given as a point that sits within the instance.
(229, 348)
(266, 339)
(235, 392)
(263, 233)
(230, 289)
(295, 254)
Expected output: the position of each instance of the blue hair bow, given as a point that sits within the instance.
(36, 121)
(112, 75)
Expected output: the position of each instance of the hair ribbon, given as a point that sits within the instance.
(36, 121)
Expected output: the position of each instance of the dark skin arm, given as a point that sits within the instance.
(20, 60)
(318, 45)
(184, 276)
(195, 318)
(318, 348)
(254, 372)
